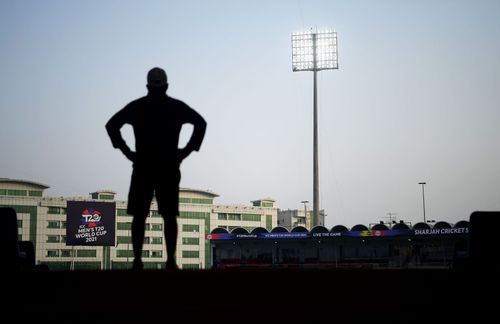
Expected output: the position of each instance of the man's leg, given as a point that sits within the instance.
(167, 197)
(139, 201)
(138, 239)
(171, 240)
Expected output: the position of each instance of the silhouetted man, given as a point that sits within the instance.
(157, 120)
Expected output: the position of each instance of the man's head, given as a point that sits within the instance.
(157, 80)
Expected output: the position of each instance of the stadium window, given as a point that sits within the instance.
(66, 253)
(156, 254)
(157, 240)
(53, 224)
(124, 239)
(183, 200)
(124, 253)
(251, 217)
(157, 227)
(191, 266)
(52, 239)
(190, 241)
(190, 228)
(35, 193)
(190, 254)
(121, 212)
(53, 253)
(13, 192)
(123, 226)
(53, 210)
(86, 253)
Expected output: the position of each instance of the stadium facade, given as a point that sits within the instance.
(42, 220)
(400, 246)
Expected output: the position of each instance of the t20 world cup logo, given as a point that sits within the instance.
(90, 217)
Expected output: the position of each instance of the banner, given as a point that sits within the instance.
(368, 233)
(90, 223)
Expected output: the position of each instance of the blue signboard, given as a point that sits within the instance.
(367, 233)
(90, 223)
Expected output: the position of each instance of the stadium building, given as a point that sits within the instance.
(42, 221)
(420, 246)
(291, 218)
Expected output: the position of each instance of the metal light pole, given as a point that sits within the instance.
(129, 240)
(199, 248)
(314, 51)
(72, 266)
(305, 202)
(423, 197)
(315, 218)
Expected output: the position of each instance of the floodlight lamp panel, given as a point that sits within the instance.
(322, 43)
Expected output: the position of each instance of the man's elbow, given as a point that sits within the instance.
(109, 126)
(203, 124)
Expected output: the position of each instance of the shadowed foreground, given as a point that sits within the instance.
(251, 295)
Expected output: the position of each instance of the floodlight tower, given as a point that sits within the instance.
(314, 51)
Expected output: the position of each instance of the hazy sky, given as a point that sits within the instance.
(416, 98)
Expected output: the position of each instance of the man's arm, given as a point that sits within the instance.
(113, 127)
(199, 128)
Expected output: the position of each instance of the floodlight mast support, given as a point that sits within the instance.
(302, 47)
(315, 139)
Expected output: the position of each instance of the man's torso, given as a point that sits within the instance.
(157, 122)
